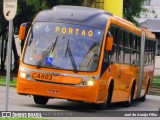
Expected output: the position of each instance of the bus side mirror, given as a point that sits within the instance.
(23, 30)
(109, 43)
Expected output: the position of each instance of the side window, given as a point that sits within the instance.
(126, 46)
(114, 32)
(138, 46)
(127, 50)
(106, 57)
(147, 52)
(150, 47)
(135, 50)
(152, 52)
(120, 47)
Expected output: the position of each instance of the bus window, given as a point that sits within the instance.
(133, 50)
(127, 47)
(74, 46)
(153, 51)
(138, 44)
(113, 54)
(121, 47)
(150, 45)
(148, 52)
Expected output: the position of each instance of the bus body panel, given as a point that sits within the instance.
(148, 77)
(52, 90)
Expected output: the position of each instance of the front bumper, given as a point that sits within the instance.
(62, 91)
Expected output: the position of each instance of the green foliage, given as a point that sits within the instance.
(27, 9)
(70, 2)
(132, 9)
(3, 80)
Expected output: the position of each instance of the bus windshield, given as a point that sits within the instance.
(63, 46)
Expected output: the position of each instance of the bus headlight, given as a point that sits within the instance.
(90, 83)
(23, 75)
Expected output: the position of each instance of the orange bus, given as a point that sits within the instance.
(87, 55)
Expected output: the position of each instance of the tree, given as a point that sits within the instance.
(132, 9)
(27, 9)
(88, 3)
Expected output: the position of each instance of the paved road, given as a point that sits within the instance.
(26, 103)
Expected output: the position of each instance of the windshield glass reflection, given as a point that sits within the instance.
(77, 47)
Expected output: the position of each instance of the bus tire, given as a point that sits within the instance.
(40, 100)
(128, 103)
(103, 106)
(143, 98)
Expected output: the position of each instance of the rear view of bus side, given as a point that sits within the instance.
(87, 55)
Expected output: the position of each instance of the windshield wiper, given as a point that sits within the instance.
(51, 47)
(72, 58)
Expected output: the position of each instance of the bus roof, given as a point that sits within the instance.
(75, 15)
(124, 20)
(148, 33)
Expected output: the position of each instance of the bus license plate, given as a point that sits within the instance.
(41, 76)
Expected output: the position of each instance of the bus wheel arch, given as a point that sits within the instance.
(102, 106)
(131, 94)
(110, 92)
(143, 98)
(147, 86)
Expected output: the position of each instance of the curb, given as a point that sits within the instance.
(3, 84)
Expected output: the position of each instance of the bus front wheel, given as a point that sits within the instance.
(40, 100)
